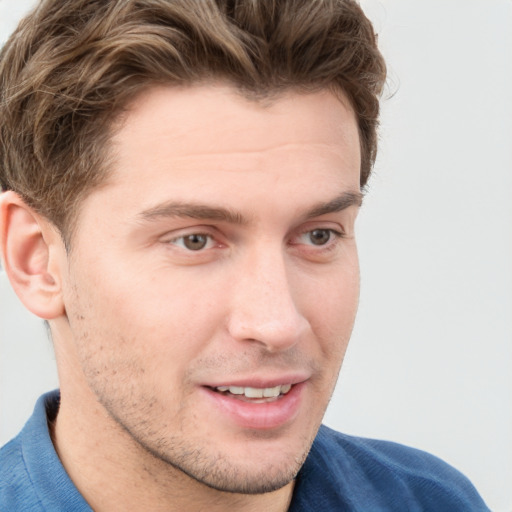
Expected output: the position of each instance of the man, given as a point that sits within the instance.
(181, 181)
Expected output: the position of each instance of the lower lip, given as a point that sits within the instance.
(260, 416)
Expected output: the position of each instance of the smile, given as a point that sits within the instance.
(266, 406)
(253, 394)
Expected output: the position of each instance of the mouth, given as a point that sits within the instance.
(253, 394)
(258, 402)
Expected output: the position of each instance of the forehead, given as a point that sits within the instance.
(210, 144)
(217, 118)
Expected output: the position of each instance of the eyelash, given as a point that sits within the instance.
(183, 238)
(328, 245)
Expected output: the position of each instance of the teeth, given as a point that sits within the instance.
(286, 388)
(271, 392)
(256, 392)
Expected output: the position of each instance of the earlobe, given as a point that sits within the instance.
(29, 247)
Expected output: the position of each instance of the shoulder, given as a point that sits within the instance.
(368, 474)
(32, 478)
(380, 457)
(16, 490)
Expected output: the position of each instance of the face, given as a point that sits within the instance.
(213, 281)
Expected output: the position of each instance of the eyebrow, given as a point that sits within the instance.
(206, 212)
(342, 202)
(192, 211)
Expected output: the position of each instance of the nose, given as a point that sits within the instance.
(263, 308)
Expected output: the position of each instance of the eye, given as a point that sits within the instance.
(193, 242)
(319, 236)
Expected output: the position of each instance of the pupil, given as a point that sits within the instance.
(195, 242)
(320, 236)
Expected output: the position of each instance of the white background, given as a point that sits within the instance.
(430, 361)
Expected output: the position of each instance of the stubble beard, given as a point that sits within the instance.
(215, 470)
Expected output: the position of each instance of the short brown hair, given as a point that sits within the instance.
(72, 65)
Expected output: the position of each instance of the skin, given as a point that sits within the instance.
(146, 321)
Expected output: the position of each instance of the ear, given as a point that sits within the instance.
(31, 249)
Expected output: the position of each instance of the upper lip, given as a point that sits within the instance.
(261, 382)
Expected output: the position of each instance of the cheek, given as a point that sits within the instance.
(334, 297)
(158, 325)
(338, 313)
(332, 322)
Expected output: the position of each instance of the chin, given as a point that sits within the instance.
(247, 480)
(256, 470)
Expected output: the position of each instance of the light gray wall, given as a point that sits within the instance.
(430, 361)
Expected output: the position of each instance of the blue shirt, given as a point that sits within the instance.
(341, 473)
